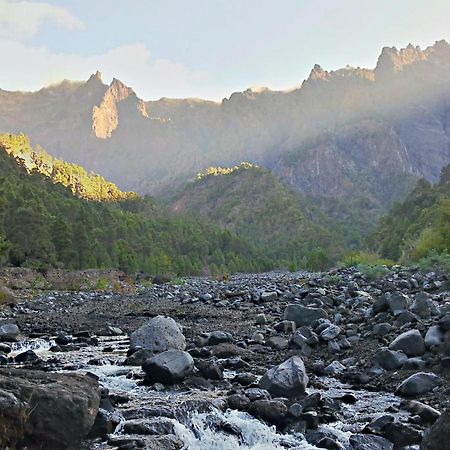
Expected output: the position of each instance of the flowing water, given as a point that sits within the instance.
(197, 426)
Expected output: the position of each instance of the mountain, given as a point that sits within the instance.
(85, 185)
(45, 224)
(353, 141)
(396, 116)
(252, 203)
(418, 226)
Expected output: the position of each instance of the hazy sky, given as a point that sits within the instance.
(204, 48)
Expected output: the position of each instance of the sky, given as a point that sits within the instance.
(204, 48)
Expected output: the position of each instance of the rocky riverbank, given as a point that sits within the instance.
(330, 361)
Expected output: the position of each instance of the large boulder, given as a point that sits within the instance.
(419, 383)
(439, 435)
(168, 367)
(411, 343)
(9, 332)
(7, 296)
(47, 410)
(289, 379)
(369, 442)
(158, 335)
(303, 315)
(389, 359)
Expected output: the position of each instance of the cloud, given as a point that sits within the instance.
(22, 20)
(30, 68)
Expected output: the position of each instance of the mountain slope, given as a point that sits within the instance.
(402, 107)
(255, 205)
(419, 225)
(43, 224)
(85, 185)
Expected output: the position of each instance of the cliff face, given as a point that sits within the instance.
(343, 134)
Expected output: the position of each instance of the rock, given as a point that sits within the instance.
(369, 442)
(260, 319)
(158, 335)
(434, 336)
(138, 357)
(334, 368)
(398, 302)
(421, 305)
(168, 442)
(426, 412)
(272, 411)
(269, 297)
(277, 342)
(210, 368)
(7, 296)
(9, 332)
(109, 330)
(152, 426)
(289, 379)
(381, 329)
(60, 409)
(5, 348)
(285, 326)
(411, 343)
(303, 315)
(217, 337)
(168, 367)
(331, 332)
(402, 435)
(444, 322)
(26, 357)
(439, 435)
(239, 402)
(419, 383)
(414, 364)
(257, 394)
(389, 359)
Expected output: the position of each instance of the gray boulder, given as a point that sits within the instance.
(158, 335)
(168, 367)
(411, 343)
(303, 315)
(330, 332)
(389, 359)
(9, 332)
(289, 379)
(439, 435)
(398, 302)
(59, 409)
(370, 442)
(434, 336)
(419, 383)
(421, 305)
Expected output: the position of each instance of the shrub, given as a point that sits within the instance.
(373, 272)
(355, 259)
(436, 262)
(333, 280)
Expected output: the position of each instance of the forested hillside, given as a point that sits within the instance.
(418, 226)
(42, 224)
(253, 203)
(83, 184)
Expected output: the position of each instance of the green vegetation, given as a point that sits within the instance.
(355, 259)
(372, 272)
(420, 226)
(436, 262)
(251, 202)
(83, 184)
(42, 224)
(216, 171)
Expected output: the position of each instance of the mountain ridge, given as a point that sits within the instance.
(401, 108)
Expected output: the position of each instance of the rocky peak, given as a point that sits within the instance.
(119, 91)
(105, 117)
(392, 60)
(317, 73)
